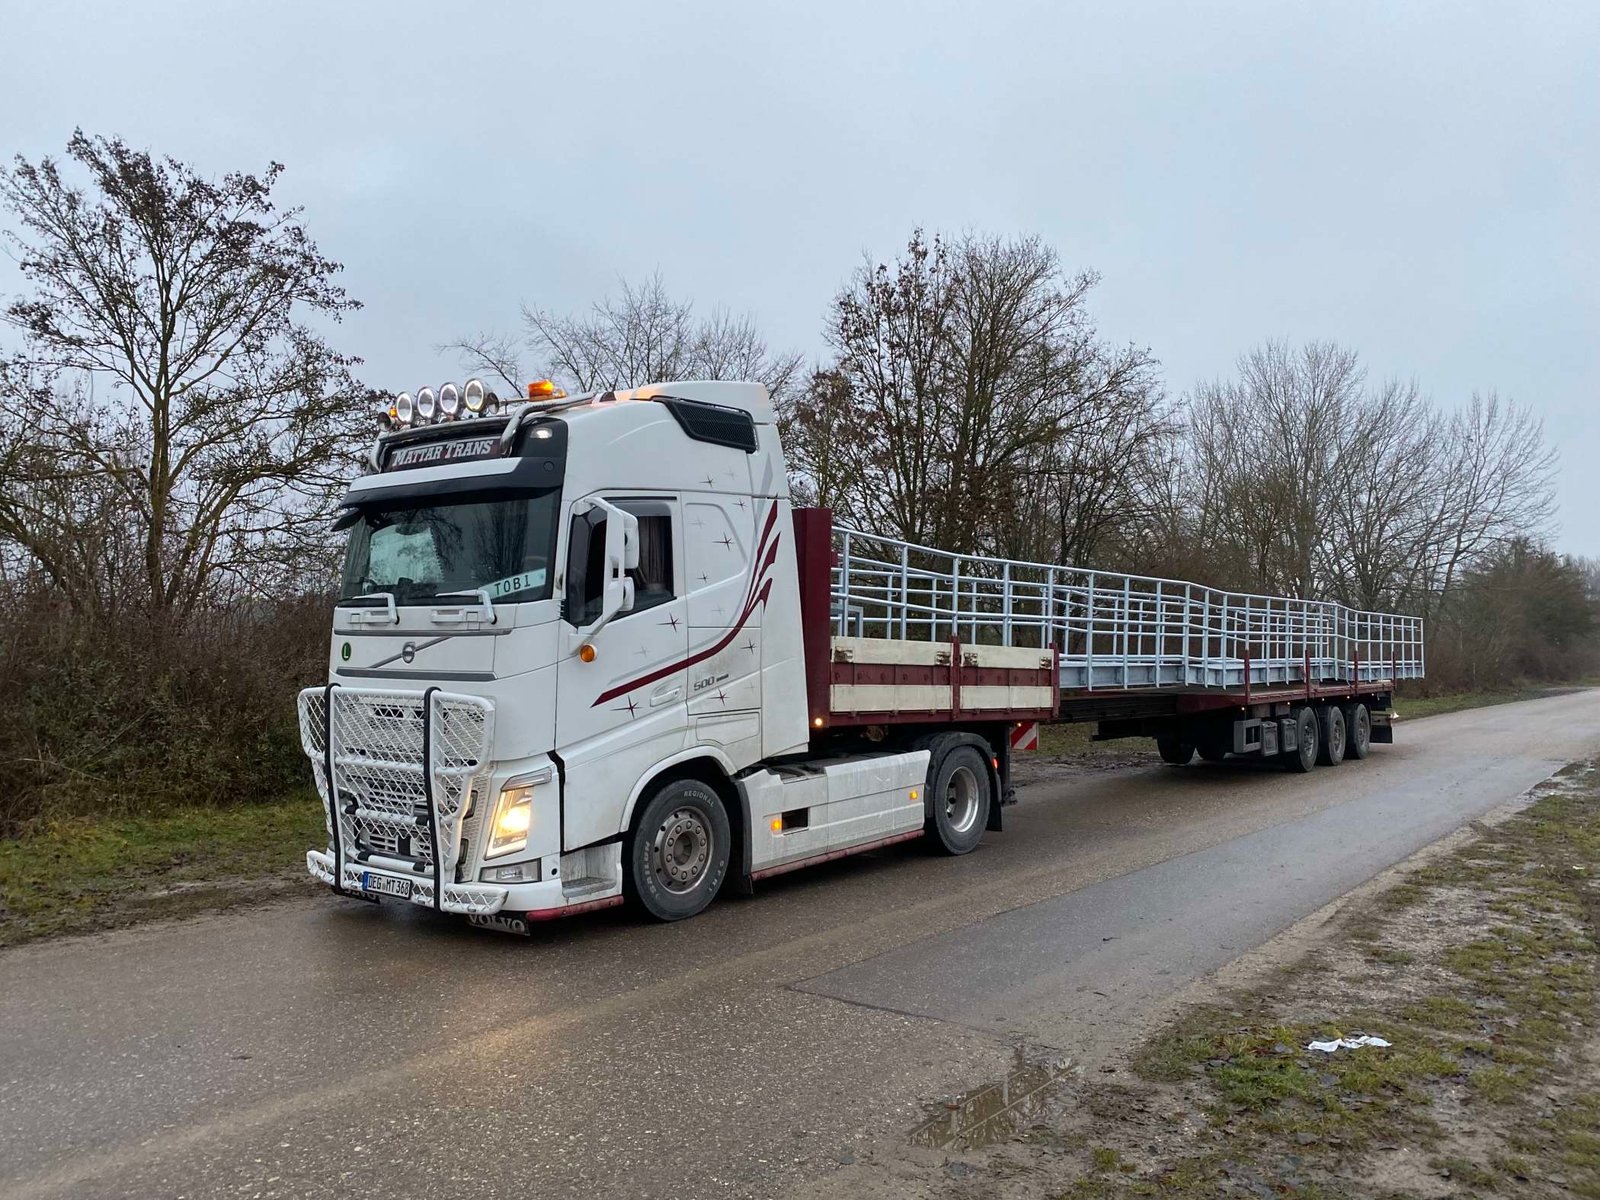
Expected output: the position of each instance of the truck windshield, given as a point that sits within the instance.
(419, 550)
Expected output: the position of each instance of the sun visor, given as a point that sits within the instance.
(522, 474)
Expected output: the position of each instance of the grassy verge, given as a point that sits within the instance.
(1480, 969)
(1410, 707)
(77, 875)
(1074, 743)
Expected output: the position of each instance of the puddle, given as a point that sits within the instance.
(995, 1110)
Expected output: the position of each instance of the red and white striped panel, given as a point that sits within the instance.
(1025, 735)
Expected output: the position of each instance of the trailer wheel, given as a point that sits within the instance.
(959, 799)
(1304, 756)
(1332, 731)
(1174, 752)
(678, 855)
(1358, 731)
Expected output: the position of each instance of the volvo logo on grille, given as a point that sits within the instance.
(408, 651)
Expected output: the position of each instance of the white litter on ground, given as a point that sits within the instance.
(1354, 1043)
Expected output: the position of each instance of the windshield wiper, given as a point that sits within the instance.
(372, 600)
(481, 595)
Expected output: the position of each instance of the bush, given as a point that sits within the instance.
(119, 719)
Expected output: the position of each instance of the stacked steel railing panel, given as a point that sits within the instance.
(1114, 630)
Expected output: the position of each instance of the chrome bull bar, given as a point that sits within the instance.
(396, 772)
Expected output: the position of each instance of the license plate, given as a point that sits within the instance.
(385, 885)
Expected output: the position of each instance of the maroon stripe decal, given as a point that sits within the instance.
(761, 544)
(699, 656)
(752, 599)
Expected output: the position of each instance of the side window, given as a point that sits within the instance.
(586, 569)
(652, 578)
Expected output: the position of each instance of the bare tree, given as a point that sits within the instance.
(970, 385)
(818, 436)
(640, 335)
(1303, 478)
(172, 379)
(497, 355)
(1269, 446)
(1497, 485)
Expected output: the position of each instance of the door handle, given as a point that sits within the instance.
(666, 697)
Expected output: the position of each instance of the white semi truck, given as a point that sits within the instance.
(585, 652)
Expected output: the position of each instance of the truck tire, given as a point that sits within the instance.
(1331, 735)
(1174, 752)
(1357, 731)
(678, 855)
(958, 799)
(1306, 727)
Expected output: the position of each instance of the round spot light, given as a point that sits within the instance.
(449, 402)
(405, 409)
(427, 404)
(474, 396)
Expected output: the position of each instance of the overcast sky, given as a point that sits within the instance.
(1418, 181)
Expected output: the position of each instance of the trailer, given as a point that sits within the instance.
(586, 653)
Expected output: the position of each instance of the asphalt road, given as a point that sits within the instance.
(322, 1048)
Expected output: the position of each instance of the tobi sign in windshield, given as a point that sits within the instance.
(419, 551)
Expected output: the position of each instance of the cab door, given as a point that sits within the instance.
(623, 711)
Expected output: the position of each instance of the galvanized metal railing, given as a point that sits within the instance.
(1114, 630)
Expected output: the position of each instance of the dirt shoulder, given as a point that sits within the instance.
(1477, 963)
(83, 875)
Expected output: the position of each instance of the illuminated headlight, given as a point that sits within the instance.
(474, 396)
(427, 404)
(449, 402)
(513, 814)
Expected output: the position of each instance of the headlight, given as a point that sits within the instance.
(474, 397)
(404, 409)
(513, 814)
(427, 406)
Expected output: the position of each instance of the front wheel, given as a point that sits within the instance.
(959, 797)
(678, 855)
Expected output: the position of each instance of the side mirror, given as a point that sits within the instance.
(621, 556)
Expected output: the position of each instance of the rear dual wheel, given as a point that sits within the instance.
(1173, 752)
(959, 796)
(1358, 731)
(1331, 752)
(1307, 742)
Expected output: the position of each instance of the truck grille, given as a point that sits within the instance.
(389, 753)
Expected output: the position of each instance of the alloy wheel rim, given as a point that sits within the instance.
(680, 852)
(961, 800)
